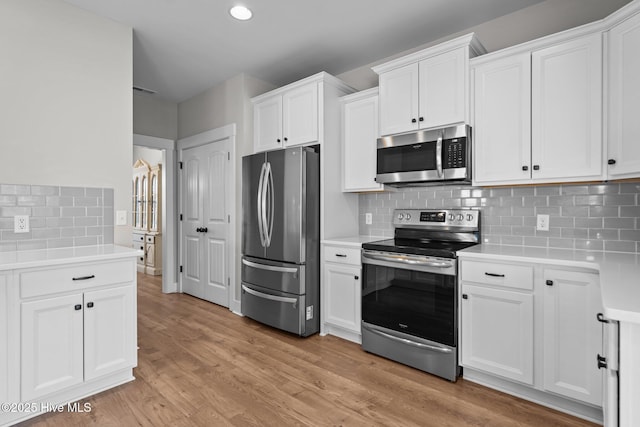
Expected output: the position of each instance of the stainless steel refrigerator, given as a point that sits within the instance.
(280, 239)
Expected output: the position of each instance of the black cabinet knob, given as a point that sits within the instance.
(611, 161)
(356, 277)
(421, 119)
(549, 282)
(77, 307)
(90, 304)
(413, 120)
(465, 296)
(278, 140)
(286, 139)
(536, 167)
(602, 361)
(525, 168)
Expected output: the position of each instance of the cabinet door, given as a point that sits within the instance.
(443, 89)
(4, 338)
(110, 331)
(624, 94)
(51, 345)
(267, 124)
(342, 296)
(497, 332)
(502, 121)
(399, 100)
(567, 110)
(300, 115)
(360, 133)
(572, 335)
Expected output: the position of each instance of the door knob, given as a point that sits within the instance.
(199, 230)
(204, 230)
(611, 161)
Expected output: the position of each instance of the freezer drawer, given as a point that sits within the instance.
(278, 309)
(274, 275)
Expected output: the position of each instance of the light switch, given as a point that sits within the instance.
(121, 217)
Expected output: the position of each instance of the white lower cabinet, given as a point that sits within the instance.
(572, 335)
(497, 332)
(532, 330)
(4, 338)
(341, 292)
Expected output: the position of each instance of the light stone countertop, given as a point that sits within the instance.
(51, 257)
(619, 272)
(353, 241)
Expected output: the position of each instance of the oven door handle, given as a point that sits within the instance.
(409, 342)
(408, 260)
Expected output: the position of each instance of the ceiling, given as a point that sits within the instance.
(183, 47)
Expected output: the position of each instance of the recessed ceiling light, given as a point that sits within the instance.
(240, 12)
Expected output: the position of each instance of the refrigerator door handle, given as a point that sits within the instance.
(261, 205)
(271, 212)
(259, 294)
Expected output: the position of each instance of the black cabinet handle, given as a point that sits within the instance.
(465, 296)
(421, 119)
(494, 274)
(611, 161)
(549, 282)
(602, 362)
(198, 230)
(90, 304)
(77, 307)
(84, 277)
(204, 229)
(536, 167)
(341, 255)
(413, 120)
(356, 277)
(601, 318)
(525, 168)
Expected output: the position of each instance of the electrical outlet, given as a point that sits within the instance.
(121, 217)
(21, 224)
(368, 218)
(542, 223)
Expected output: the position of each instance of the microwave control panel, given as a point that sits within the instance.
(454, 153)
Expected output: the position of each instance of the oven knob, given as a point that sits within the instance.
(400, 216)
(408, 216)
(469, 217)
(452, 217)
(460, 217)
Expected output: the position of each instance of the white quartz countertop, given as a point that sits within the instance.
(355, 241)
(51, 257)
(619, 272)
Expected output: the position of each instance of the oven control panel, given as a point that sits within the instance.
(436, 218)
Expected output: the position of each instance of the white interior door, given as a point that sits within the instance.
(206, 228)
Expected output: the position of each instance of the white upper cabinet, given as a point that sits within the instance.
(538, 114)
(428, 88)
(359, 139)
(624, 95)
(502, 128)
(567, 110)
(267, 124)
(287, 118)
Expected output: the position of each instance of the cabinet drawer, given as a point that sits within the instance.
(342, 255)
(495, 273)
(138, 237)
(74, 277)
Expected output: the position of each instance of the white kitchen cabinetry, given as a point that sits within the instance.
(531, 329)
(624, 92)
(572, 335)
(287, 118)
(497, 319)
(341, 292)
(359, 141)
(68, 325)
(77, 337)
(427, 89)
(538, 114)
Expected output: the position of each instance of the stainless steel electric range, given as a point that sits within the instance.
(409, 288)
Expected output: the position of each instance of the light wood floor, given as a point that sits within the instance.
(201, 365)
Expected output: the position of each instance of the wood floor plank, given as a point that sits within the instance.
(201, 365)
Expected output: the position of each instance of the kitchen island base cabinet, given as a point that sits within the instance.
(71, 329)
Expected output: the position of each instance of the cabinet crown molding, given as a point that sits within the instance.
(470, 40)
(359, 95)
(321, 77)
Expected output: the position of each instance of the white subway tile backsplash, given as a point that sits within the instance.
(582, 216)
(59, 216)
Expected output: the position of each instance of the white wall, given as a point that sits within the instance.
(153, 116)
(66, 109)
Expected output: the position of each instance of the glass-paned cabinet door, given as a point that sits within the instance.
(143, 205)
(155, 198)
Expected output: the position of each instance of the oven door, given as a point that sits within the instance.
(410, 294)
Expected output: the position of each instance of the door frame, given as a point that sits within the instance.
(168, 207)
(204, 138)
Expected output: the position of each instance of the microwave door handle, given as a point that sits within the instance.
(439, 155)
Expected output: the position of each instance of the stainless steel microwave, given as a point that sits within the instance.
(436, 156)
